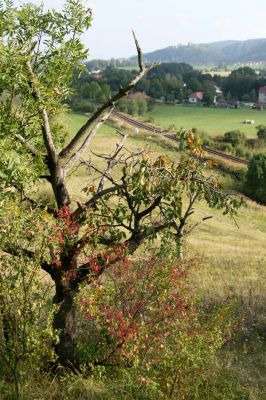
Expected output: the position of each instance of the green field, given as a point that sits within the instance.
(214, 121)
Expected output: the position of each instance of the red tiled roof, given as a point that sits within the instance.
(138, 94)
(262, 89)
(198, 95)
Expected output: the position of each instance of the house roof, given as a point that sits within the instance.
(197, 95)
(262, 89)
(138, 95)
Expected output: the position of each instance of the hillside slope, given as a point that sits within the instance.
(231, 256)
(228, 52)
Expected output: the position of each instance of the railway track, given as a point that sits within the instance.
(150, 128)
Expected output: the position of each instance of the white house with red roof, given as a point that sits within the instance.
(195, 97)
(262, 96)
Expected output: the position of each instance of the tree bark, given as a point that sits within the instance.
(180, 245)
(58, 183)
(65, 322)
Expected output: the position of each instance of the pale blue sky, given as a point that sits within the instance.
(162, 23)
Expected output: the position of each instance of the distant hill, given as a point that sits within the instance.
(228, 52)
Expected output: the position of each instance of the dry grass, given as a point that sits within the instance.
(235, 255)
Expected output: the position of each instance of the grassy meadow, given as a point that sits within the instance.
(251, 219)
(105, 142)
(214, 121)
(232, 253)
(230, 247)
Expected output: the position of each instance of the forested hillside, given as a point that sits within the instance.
(227, 52)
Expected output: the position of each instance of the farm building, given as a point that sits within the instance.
(195, 97)
(138, 95)
(262, 97)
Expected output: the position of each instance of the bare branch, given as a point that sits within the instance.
(188, 231)
(32, 47)
(128, 198)
(140, 58)
(146, 212)
(84, 271)
(138, 237)
(46, 130)
(93, 201)
(87, 141)
(102, 173)
(131, 156)
(102, 110)
(111, 163)
(27, 145)
(16, 252)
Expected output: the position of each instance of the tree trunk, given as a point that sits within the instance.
(65, 321)
(58, 184)
(180, 245)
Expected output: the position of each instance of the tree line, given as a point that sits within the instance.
(168, 82)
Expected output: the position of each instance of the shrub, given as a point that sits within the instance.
(225, 147)
(255, 185)
(135, 308)
(251, 143)
(148, 325)
(26, 333)
(261, 132)
(236, 138)
(240, 151)
(82, 105)
(206, 140)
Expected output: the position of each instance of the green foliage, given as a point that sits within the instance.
(236, 138)
(45, 38)
(143, 316)
(241, 84)
(255, 185)
(82, 105)
(170, 81)
(143, 200)
(214, 121)
(135, 105)
(26, 333)
(221, 385)
(14, 170)
(208, 98)
(261, 132)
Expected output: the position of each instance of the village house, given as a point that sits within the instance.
(195, 97)
(97, 74)
(262, 97)
(218, 91)
(138, 95)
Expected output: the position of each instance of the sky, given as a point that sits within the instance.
(163, 23)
